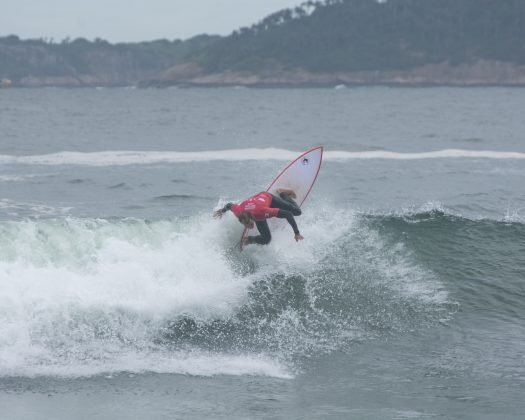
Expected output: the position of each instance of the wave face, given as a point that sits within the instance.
(81, 297)
(480, 259)
(125, 157)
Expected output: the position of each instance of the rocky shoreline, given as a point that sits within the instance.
(479, 73)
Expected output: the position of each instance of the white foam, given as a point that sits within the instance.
(77, 295)
(126, 157)
(16, 208)
(439, 154)
(11, 178)
(185, 363)
(513, 215)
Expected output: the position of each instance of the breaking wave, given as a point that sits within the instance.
(81, 297)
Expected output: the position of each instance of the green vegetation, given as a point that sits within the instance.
(128, 62)
(352, 35)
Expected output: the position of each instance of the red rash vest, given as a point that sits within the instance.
(258, 206)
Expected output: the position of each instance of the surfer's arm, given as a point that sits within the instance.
(218, 214)
(285, 214)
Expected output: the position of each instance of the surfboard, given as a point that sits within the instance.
(299, 175)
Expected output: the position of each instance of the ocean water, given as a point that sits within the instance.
(122, 298)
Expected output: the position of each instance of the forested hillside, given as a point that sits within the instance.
(350, 35)
(82, 62)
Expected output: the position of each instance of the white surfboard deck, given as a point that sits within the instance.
(299, 175)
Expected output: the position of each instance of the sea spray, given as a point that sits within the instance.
(88, 296)
(81, 291)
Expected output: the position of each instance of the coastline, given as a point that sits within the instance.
(480, 73)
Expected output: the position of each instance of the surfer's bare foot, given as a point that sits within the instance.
(287, 191)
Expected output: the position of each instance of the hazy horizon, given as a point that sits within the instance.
(132, 21)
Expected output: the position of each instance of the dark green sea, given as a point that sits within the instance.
(122, 298)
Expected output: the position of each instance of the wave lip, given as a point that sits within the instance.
(130, 157)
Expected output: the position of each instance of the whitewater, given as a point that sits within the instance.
(92, 296)
(124, 157)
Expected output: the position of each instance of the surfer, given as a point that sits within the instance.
(256, 209)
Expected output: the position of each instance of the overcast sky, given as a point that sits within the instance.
(131, 20)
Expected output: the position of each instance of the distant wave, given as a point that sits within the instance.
(125, 157)
(174, 197)
(9, 178)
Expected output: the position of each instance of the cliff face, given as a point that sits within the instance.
(108, 69)
(479, 73)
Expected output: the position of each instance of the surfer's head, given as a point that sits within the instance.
(246, 219)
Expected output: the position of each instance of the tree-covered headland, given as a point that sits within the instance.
(318, 41)
(354, 35)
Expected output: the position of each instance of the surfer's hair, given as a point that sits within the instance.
(245, 217)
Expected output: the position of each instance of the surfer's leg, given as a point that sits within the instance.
(265, 236)
(285, 202)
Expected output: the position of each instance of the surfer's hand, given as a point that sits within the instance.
(298, 237)
(218, 214)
